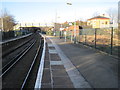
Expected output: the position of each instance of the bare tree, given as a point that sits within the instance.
(119, 12)
(113, 14)
(8, 21)
(96, 14)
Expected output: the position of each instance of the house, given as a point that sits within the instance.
(73, 30)
(99, 22)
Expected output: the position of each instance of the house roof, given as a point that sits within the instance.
(72, 28)
(99, 17)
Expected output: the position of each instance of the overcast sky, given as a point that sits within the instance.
(46, 11)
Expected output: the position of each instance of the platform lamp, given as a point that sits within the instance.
(74, 26)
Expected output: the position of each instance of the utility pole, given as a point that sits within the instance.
(75, 31)
(40, 29)
(55, 24)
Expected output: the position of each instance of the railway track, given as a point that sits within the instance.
(21, 67)
(4, 54)
(10, 64)
(28, 73)
(12, 55)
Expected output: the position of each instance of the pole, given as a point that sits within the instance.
(55, 24)
(65, 35)
(39, 27)
(20, 26)
(61, 31)
(95, 36)
(71, 35)
(85, 38)
(75, 32)
(74, 28)
(111, 40)
(20, 30)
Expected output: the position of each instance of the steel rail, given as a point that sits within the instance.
(3, 55)
(17, 59)
(14, 59)
(31, 67)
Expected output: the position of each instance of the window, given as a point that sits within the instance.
(106, 22)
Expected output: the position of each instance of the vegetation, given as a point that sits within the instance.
(7, 21)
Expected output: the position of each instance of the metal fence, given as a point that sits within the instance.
(105, 39)
(13, 34)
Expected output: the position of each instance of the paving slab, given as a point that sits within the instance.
(70, 87)
(98, 69)
(64, 81)
(59, 67)
(50, 45)
(52, 51)
(59, 73)
(47, 64)
(52, 48)
(46, 76)
(46, 86)
(56, 63)
(54, 73)
(55, 57)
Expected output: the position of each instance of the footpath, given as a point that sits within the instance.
(69, 65)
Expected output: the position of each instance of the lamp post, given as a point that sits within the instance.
(74, 27)
(55, 25)
(61, 31)
(71, 31)
(75, 31)
(65, 33)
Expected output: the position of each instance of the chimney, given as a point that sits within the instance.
(103, 15)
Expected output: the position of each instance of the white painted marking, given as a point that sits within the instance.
(56, 63)
(75, 76)
(51, 51)
(40, 71)
(50, 45)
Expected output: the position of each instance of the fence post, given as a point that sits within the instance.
(85, 39)
(95, 36)
(111, 40)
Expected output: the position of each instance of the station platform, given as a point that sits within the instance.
(69, 65)
(13, 39)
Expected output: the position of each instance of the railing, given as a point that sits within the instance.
(12, 34)
(104, 39)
